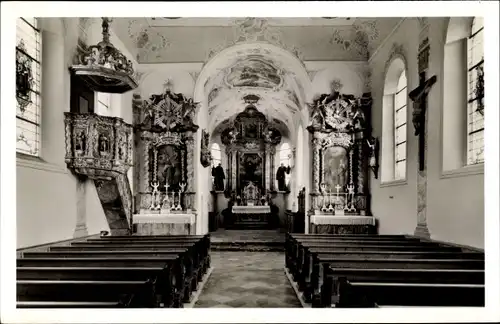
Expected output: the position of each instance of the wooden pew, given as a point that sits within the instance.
(376, 294)
(138, 293)
(163, 278)
(196, 264)
(303, 258)
(329, 289)
(185, 280)
(171, 276)
(66, 304)
(189, 253)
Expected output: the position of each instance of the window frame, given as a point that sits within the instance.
(472, 97)
(36, 78)
(215, 161)
(396, 109)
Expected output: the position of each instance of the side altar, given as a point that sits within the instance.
(164, 175)
(342, 152)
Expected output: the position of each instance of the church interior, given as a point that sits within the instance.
(174, 162)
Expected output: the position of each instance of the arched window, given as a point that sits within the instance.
(284, 152)
(394, 122)
(400, 118)
(28, 86)
(216, 154)
(475, 109)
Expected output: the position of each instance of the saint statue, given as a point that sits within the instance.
(280, 176)
(103, 144)
(80, 141)
(218, 174)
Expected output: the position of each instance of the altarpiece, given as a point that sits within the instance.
(340, 147)
(164, 170)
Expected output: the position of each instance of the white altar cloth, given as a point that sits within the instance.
(342, 220)
(164, 218)
(252, 209)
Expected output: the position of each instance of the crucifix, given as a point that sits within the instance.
(419, 98)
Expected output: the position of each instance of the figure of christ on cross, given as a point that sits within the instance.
(419, 98)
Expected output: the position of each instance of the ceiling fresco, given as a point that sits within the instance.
(254, 72)
(162, 40)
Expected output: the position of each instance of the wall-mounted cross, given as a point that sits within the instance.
(419, 98)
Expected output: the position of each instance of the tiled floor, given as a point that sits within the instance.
(247, 279)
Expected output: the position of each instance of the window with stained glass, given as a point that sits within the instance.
(475, 113)
(28, 86)
(400, 120)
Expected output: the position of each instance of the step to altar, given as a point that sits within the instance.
(247, 240)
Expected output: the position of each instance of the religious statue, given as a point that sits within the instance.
(103, 143)
(373, 146)
(80, 142)
(218, 174)
(419, 96)
(280, 176)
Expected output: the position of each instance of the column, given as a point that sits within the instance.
(316, 146)
(189, 191)
(423, 66)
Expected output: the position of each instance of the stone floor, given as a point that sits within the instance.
(247, 279)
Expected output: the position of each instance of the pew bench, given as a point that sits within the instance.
(376, 294)
(163, 278)
(171, 262)
(323, 297)
(137, 293)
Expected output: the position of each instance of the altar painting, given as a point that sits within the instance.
(169, 162)
(335, 170)
(251, 170)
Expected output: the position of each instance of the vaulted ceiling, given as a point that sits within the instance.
(165, 40)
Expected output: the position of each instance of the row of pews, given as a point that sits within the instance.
(114, 271)
(382, 271)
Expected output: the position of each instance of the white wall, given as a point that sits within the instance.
(455, 207)
(46, 190)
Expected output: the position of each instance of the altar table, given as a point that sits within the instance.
(251, 216)
(164, 224)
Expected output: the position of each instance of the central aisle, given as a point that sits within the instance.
(247, 279)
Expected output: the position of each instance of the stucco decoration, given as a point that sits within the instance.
(308, 39)
(358, 39)
(148, 42)
(336, 85)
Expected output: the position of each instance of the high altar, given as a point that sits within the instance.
(164, 173)
(341, 146)
(250, 141)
